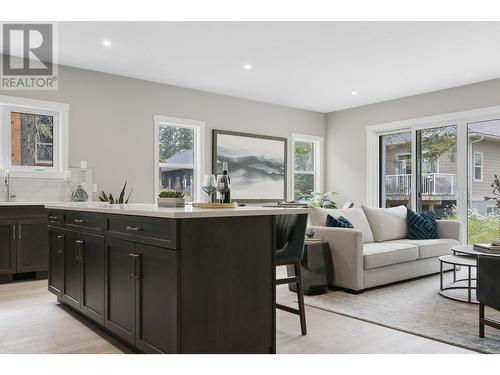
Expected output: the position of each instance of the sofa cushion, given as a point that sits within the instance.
(431, 248)
(387, 223)
(421, 226)
(341, 222)
(355, 215)
(386, 253)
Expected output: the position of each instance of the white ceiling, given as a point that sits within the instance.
(309, 65)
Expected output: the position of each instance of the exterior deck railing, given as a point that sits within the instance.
(432, 184)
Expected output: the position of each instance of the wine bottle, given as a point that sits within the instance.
(227, 180)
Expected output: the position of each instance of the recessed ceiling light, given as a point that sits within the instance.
(354, 92)
(106, 43)
(247, 66)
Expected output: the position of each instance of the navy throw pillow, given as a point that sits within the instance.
(422, 226)
(341, 222)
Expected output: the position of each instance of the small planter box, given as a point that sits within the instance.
(171, 202)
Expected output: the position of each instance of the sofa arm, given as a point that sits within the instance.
(346, 249)
(449, 229)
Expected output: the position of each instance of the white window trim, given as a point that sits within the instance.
(460, 119)
(198, 150)
(474, 166)
(319, 165)
(60, 111)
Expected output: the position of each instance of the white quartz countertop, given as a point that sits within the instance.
(17, 204)
(152, 210)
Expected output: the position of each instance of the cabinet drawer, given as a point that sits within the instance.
(55, 217)
(93, 222)
(152, 231)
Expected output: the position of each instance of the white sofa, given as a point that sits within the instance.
(377, 251)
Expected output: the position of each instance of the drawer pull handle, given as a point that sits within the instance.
(135, 229)
(60, 238)
(79, 221)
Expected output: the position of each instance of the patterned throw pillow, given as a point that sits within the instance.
(341, 222)
(421, 226)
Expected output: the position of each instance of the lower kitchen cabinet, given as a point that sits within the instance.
(23, 241)
(7, 247)
(77, 271)
(56, 261)
(120, 289)
(32, 246)
(141, 295)
(156, 299)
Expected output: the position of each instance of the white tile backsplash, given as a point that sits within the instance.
(47, 190)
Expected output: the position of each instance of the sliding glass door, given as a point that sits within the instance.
(418, 168)
(396, 169)
(484, 164)
(436, 172)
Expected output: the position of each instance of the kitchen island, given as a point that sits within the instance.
(169, 280)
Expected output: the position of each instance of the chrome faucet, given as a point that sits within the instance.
(6, 181)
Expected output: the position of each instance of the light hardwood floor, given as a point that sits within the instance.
(31, 321)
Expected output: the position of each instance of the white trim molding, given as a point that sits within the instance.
(60, 113)
(198, 149)
(319, 161)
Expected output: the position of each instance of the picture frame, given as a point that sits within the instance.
(258, 165)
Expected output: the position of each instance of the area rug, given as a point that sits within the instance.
(415, 307)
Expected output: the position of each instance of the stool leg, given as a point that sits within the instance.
(481, 320)
(300, 297)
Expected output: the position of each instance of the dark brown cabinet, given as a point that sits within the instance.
(201, 285)
(156, 299)
(56, 261)
(7, 247)
(120, 289)
(76, 272)
(23, 241)
(32, 246)
(141, 295)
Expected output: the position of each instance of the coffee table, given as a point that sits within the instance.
(464, 256)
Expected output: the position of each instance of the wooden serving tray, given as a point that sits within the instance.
(215, 205)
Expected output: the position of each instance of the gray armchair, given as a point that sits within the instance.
(488, 289)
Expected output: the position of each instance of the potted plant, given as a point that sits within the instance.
(117, 199)
(171, 198)
(322, 199)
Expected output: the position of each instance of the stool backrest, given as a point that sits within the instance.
(290, 233)
(488, 280)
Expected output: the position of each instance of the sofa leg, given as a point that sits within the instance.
(355, 292)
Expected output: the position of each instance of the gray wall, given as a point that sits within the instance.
(111, 122)
(346, 134)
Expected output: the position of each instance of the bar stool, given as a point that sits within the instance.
(290, 232)
(488, 290)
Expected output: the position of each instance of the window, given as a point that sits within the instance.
(34, 139)
(178, 155)
(307, 161)
(478, 166)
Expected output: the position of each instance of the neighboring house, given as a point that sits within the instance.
(484, 162)
(176, 176)
(439, 178)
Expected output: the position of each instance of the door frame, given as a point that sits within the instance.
(460, 119)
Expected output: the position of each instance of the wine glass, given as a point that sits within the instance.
(209, 185)
(222, 185)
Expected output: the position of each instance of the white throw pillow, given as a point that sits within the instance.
(387, 223)
(355, 215)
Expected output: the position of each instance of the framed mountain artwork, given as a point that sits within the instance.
(257, 165)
